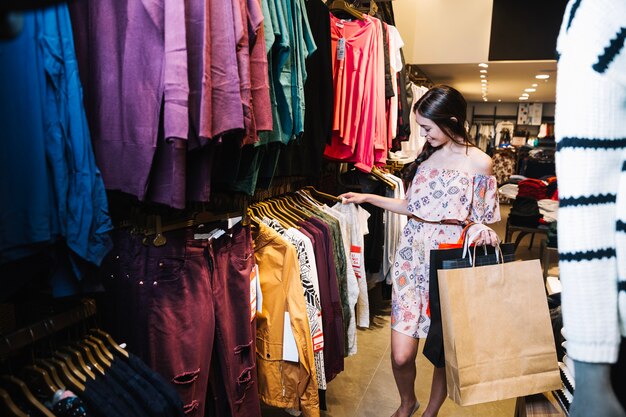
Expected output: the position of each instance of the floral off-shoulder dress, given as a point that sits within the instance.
(434, 195)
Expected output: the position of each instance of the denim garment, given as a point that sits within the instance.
(163, 301)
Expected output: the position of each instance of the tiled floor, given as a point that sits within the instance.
(366, 388)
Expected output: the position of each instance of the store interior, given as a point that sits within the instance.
(160, 151)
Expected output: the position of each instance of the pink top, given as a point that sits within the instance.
(359, 107)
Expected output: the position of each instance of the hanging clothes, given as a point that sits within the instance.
(359, 132)
(283, 383)
(416, 140)
(55, 206)
(206, 345)
(310, 284)
(303, 156)
(395, 45)
(357, 218)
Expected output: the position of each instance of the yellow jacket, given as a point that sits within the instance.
(283, 384)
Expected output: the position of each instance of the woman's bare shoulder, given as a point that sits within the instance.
(481, 162)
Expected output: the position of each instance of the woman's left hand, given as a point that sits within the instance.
(486, 236)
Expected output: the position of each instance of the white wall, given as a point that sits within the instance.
(444, 31)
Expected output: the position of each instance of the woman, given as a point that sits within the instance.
(451, 184)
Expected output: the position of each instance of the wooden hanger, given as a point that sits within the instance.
(279, 214)
(102, 350)
(93, 351)
(291, 205)
(42, 377)
(19, 385)
(66, 375)
(52, 373)
(69, 363)
(107, 338)
(77, 357)
(339, 6)
(8, 406)
(321, 195)
(371, 9)
(381, 177)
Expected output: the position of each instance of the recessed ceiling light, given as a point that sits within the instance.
(483, 65)
(530, 90)
(535, 85)
(523, 98)
(483, 71)
(483, 81)
(485, 99)
(499, 100)
(542, 76)
(483, 76)
(524, 94)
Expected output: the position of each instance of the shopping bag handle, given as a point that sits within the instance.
(467, 242)
(470, 239)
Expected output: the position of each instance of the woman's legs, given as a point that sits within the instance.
(403, 354)
(438, 392)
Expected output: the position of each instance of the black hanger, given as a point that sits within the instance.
(341, 6)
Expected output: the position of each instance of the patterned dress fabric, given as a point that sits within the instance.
(434, 195)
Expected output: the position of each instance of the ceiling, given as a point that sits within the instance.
(447, 39)
(506, 80)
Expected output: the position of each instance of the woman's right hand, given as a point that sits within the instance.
(356, 198)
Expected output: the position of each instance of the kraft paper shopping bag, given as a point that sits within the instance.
(498, 339)
(449, 259)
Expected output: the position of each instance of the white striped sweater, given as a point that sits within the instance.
(591, 169)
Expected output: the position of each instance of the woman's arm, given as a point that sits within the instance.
(395, 205)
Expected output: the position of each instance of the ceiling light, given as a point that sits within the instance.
(542, 76)
(524, 94)
(535, 85)
(483, 71)
(483, 76)
(483, 81)
(483, 65)
(499, 100)
(523, 98)
(530, 90)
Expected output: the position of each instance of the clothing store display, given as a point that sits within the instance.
(416, 140)
(310, 285)
(357, 218)
(504, 133)
(56, 207)
(332, 317)
(189, 274)
(504, 164)
(187, 101)
(303, 155)
(395, 44)
(358, 98)
(469, 197)
(532, 188)
(283, 383)
(590, 168)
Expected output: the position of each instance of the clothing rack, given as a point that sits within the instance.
(416, 76)
(13, 342)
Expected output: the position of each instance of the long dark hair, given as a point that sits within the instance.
(447, 108)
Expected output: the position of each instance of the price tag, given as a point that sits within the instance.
(341, 49)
